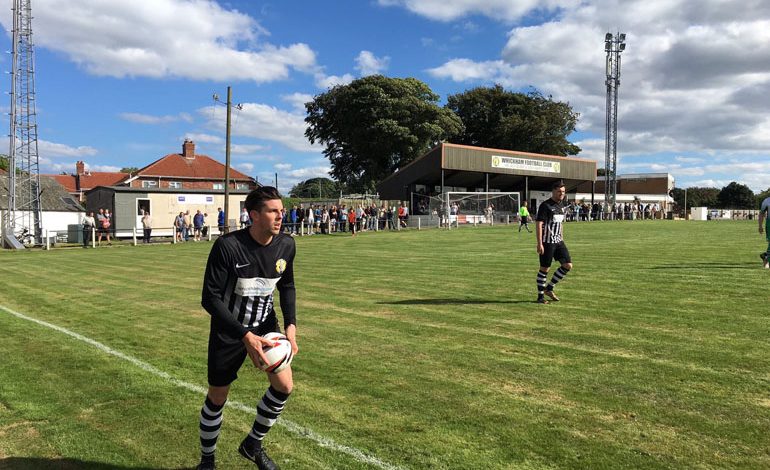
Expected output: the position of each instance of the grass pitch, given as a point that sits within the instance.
(422, 350)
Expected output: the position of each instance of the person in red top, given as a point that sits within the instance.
(352, 221)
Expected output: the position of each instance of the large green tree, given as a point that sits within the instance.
(736, 196)
(761, 197)
(376, 125)
(315, 187)
(701, 197)
(527, 122)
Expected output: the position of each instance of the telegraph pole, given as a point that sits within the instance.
(613, 45)
(227, 161)
(229, 105)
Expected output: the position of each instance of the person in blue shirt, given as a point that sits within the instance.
(221, 221)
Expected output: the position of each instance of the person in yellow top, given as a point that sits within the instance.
(524, 217)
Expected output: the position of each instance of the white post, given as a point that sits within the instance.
(508, 219)
(173, 235)
(475, 219)
(93, 237)
(47, 240)
(208, 232)
(134, 234)
(302, 228)
(418, 223)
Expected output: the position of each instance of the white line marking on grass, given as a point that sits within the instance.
(289, 425)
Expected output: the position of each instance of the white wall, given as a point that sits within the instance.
(56, 221)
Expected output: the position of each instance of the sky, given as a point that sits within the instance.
(121, 84)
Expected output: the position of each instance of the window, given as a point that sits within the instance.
(149, 184)
(219, 186)
(242, 186)
(175, 185)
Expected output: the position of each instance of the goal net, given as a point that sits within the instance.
(472, 208)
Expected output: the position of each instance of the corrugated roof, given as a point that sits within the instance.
(53, 196)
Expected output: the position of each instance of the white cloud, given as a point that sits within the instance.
(205, 138)
(695, 78)
(368, 64)
(261, 121)
(329, 81)
(52, 149)
(282, 166)
(448, 10)
(298, 100)
(247, 168)
(148, 119)
(245, 149)
(198, 40)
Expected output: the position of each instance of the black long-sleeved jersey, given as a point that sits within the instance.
(240, 278)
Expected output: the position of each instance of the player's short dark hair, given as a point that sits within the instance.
(557, 184)
(256, 198)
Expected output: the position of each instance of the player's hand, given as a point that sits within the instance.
(291, 335)
(540, 249)
(254, 345)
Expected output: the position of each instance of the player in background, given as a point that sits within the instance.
(524, 217)
(550, 242)
(764, 226)
(244, 267)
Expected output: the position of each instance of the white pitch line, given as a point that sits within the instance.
(289, 425)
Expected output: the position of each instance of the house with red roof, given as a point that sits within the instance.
(187, 170)
(84, 180)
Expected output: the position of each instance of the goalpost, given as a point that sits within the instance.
(474, 207)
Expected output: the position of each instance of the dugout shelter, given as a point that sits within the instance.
(463, 168)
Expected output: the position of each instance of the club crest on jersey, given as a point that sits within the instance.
(280, 266)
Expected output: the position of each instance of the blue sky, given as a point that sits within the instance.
(124, 83)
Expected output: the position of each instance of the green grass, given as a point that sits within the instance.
(421, 349)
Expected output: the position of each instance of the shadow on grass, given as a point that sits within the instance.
(453, 301)
(36, 463)
(757, 265)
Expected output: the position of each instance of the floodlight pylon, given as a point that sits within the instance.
(613, 45)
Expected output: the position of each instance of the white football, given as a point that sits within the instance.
(278, 356)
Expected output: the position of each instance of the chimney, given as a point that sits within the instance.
(80, 168)
(188, 149)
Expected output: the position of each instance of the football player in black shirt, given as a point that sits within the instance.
(243, 269)
(550, 242)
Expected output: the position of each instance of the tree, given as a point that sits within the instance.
(702, 197)
(736, 196)
(761, 197)
(527, 122)
(376, 125)
(315, 187)
(129, 169)
(4, 162)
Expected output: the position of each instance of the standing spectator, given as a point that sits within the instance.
(146, 227)
(359, 217)
(178, 226)
(333, 217)
(324, 223)
(245, 219)
(197, 225)
(550, 243)
(103, 222)
(352, 221)
(389, 218)
(221, 220)
(343, 218)
(310, 219)
(294, 216)
(88, 228)
(187, 227)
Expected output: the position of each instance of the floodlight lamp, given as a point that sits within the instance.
(607, 46)
(622, 46)
(608, 37)
(622, 37)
